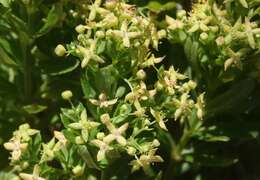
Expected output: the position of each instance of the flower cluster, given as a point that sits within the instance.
(20, 141)
(219, 36)
(124, 111)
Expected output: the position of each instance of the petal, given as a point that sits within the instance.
(25, 176)
(121, 140)
(101, 155)
(9, 146)
(84, 134)
(123, 128)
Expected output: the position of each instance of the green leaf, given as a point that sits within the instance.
(231, 99)
(5, 59)
(5, 3)
(34, 108)
(54, 17)
(7, 175)
(87, 88)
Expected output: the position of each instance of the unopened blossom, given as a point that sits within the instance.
(200, 104)
(84, 124)
(60, 50)
(34, 176)
(115, 133)
(102, 101)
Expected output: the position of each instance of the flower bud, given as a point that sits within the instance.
(204, 36)
(192, 84)
(131, 151)
(156, 143)
(110, 4)
(80, 29)
(141, 74)
(78, 170)
(100, 135)
(60, 50)
(100, 34)
(181, 14)
(161, 34)
(66, 95)
(79, 140)
(158, 86)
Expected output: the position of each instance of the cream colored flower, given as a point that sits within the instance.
(115, 133)
(102, 101)
(16, 147)
(84, 125)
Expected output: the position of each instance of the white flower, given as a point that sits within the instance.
(84, 125)
(115, 133)
(159, 118)
(102, 101)
(145, 161)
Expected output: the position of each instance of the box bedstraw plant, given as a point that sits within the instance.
(121, 108)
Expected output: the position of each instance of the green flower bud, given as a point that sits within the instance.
(161, 34)
(80, 28)
(204, 36)
(156, 143)
(100, 135)
(181, 14)
(158, 86)
(66, 95)
(100, 34)
(131, 151)
(60, 50)
(110, 4)
(78, 170)
(79, 140)
(141, 74)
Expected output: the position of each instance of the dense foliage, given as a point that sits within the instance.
(114, 89)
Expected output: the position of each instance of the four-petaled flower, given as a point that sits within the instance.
(183, 106)
(115, 133)
(84, 125)
(25, 132)
(235, 58)
(89, 54)
(16, 147)
(174, 24)
(124, 34)
(145, 161)
(250, 32)
(159, 118)
(102, 101)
